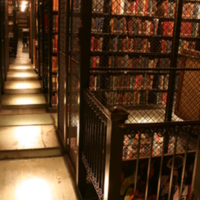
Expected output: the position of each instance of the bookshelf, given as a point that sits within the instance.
(53, 55)
(131, 45)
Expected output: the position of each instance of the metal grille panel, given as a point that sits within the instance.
(74, 78)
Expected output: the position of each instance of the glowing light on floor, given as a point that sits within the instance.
(22, 75)
(24, 101)
(27, 136)
(33, 189)
(22, 85)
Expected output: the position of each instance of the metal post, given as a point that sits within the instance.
(84, 34)
(174, 57)
(114, 143)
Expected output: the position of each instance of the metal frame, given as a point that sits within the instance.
(89, 123)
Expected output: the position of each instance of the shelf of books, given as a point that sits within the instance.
(53, 55)
(131, 50)
(12, 29)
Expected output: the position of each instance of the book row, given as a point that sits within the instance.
(134, 26)
(186, 45)
(129, 62)
(130, 146)
(129, 45)
(55, 43)
(149, 7)
(130, 82)
(191, 11)
(135, 98)
(143, 7)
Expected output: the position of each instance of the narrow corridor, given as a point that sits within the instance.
(32, 165)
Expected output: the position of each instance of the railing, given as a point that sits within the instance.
(96, 120)
(109, 144)
(166, 141)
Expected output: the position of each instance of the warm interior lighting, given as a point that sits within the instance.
(33, 189)
(23, 6)
(23, 74)
(27, 136)
(24, 101)
(22, 67)
(22, 86)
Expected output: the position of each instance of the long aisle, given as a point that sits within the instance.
(26, 129)
(31, 161)
(22, 87)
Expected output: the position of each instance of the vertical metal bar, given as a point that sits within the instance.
(90, 136)
(89, 132)
(161, 166)
(137, 165)
(184, 163)
(43, 48)
(149, 167)
(97, 148)
(172, 169)
(66, 76)
(100, 153)
(38, 37)
(95, 141)
(174, 57)
(104, 157)
(50, 88)
(85, 128)
(195, 167)
(91, 147)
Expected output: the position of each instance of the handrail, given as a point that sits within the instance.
(158, 125)
(100, 106)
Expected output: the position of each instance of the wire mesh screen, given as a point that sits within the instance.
(62, 68)
(74, 78)
(131, 52)
(45, 42)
